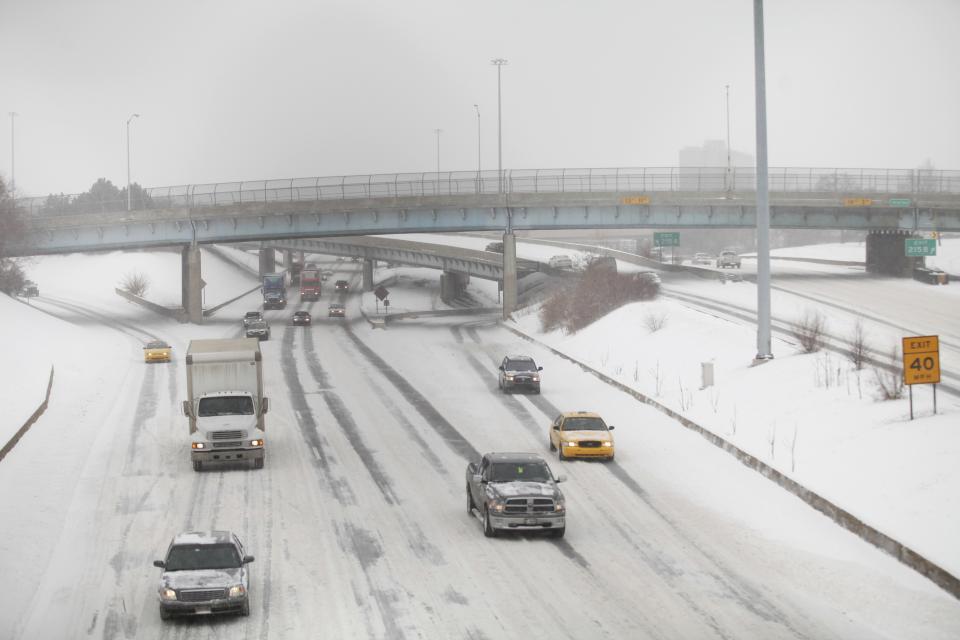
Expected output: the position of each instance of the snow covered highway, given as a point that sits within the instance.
(358, 521)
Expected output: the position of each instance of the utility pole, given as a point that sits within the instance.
(499, 62)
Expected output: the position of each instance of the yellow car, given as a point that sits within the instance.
(156, 351)
(581, 434)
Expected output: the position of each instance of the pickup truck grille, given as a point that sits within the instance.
(590, 443)
(528, 505)
(226, 435)
(201, 595)
(233, 444)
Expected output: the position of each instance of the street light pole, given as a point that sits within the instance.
(764, 349)
(438, 132)
(499, 62)
(13, 169)
(729, 176)
(135, 115)
(479, 183)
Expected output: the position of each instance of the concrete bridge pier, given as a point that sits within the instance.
(886, 253)
(268, 261)
(452, 285)
(509, 274)
(366, 279)
(191, 291)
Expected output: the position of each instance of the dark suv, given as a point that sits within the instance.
(204, 572)
(519, 372)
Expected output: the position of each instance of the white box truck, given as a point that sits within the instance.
(225, 403)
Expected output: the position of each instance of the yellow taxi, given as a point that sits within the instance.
(156, 351)
(581, 434)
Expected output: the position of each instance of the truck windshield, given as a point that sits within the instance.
(520, 365)
(191, 557)
(513, 471)
(226, 406)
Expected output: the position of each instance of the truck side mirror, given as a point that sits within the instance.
(539, 368)
(186, 408)
(500, 367)
(561, 477)
(247, 559)
(472, 467)
(556, 427)
(159, 564)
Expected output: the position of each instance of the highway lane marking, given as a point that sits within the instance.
(316, 452)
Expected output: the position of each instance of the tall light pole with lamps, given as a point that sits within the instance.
(499, 62)
(479, 183)
(438, 132)
(729, 170)
(135, 115)
(13, 169)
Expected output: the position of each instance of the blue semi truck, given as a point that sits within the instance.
(274, 291)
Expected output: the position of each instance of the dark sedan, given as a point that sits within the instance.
(302, 318)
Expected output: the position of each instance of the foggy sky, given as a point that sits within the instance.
(245, 90)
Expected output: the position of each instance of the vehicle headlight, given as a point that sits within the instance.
(536, 378)
(570, 443)
(237, 590)
(495, 505)
(508, 376)
(168, 594)
(559, 507)
(608, 444)
(198, 445)
(256, 443)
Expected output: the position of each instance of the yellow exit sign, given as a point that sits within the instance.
(921, 360)
(635, 200)
(857, 202)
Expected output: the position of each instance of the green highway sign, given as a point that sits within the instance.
(917, 247)
(899, 202)
(666, 239)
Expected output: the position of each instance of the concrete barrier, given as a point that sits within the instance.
(29, 423)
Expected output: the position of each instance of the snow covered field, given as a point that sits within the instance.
(714, 550)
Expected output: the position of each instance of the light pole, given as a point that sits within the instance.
(13, 171)
(135, 115)
(764, 350)
(438, 132)
(729, 185)
(499, 62)
(479, 183)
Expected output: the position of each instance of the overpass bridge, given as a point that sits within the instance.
(888, 203)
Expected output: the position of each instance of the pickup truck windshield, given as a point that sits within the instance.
(226, 406)
(511, 472)
(191, 557)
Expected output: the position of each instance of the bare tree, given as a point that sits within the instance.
(809, 331)
(12, 232)
(890, 382)
(857, 352)
(135, 283)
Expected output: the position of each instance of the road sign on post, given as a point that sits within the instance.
(917, 247)
(381, 292)
(899, 202)
(666, 239)
(921, 364)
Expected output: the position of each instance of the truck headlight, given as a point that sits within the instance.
(198, 445)
(536, 378)
(237, 591)
(508, 377)
(256, 443)
(560, 507)
(168, 594)
(495, 505)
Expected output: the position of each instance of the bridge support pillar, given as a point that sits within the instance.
(191, 291)
(366, 280)
(452, 285)
(268, 261)
(509, 274)
(886, 253)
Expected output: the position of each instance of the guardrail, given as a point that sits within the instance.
(790, 180)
